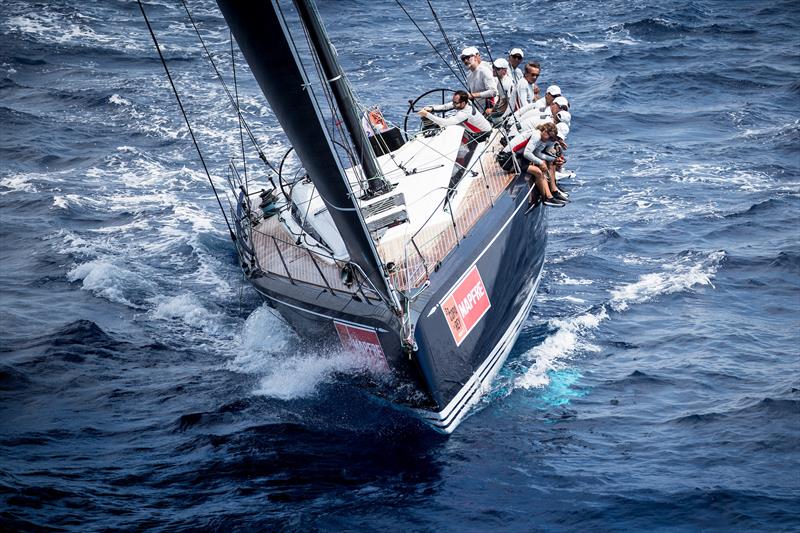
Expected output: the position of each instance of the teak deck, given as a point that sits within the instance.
(277, 254)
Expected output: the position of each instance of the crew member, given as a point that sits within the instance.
(480, 80)
(526, 90)
(515, 57)
(466, 115)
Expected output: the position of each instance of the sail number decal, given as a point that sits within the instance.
(363, 343)
(465, 305)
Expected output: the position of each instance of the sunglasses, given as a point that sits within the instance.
(466, 58)
(515, 56)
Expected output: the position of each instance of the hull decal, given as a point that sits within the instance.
(465, 305)
(362, 342)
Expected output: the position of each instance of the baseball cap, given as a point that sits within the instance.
(500, 63)
(516, 52)
(561, 101)
(469, 51)
(563, 130)
(564, 116)
(554, 90)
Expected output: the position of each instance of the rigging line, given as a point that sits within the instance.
(458, 78)
(227, 91)
(336, 120)
(447, 42)
(241, 132)
(186, 118)
(488, 50)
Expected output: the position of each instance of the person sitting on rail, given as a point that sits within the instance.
(556, 147)
(534, 117)
(529, 148)
(506, 87)
(480, 80)
(526, 90)
(540, 105)
(466, 115)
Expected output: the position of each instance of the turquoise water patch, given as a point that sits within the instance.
(562, 388)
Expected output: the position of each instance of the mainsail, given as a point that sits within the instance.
(265, 41)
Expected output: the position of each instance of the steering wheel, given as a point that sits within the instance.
(430, 98)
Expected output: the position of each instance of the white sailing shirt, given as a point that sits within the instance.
(482, 81)
(523, 94)
(469, 117)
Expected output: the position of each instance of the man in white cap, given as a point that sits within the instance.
(505, 88)
(540, 106)
(553, 92)
(481, 83)
(515, 57)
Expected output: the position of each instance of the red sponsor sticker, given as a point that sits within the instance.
(465, 305)
(362, 342)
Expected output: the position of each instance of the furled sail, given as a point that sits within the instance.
(264, 39)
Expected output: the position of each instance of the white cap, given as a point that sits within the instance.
(563, 130)
(469, 51)
(561, 101)
(516, 52)
(554, 90)
(500, 63)
(564, 116)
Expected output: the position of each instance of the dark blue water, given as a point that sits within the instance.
(656, 384)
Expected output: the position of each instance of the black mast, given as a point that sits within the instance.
(341, 93)
(268, 48)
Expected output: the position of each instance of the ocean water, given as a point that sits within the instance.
(656, 383)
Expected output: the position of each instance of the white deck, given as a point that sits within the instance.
(428, 164)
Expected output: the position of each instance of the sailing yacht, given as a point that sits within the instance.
(417, 250)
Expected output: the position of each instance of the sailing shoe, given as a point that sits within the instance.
(561, 195)
(564, 174)
(553, 202)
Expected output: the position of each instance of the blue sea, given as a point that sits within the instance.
(656, 382)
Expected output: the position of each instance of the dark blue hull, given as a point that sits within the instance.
(505, 251)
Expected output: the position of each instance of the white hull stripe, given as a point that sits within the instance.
(287, 304)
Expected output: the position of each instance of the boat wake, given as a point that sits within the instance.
(551, 369)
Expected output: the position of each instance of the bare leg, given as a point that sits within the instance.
(540, 181)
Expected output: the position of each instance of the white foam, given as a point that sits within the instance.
(299, 376)
(188, 309)
(263, 332)
(106, 280)
(60, 202)
(676, 277)
(286, 368)
(571, 336)
(118, 100)
(566, 280)
(18, 183)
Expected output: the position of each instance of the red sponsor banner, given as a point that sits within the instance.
(465, 305)
(362, 342)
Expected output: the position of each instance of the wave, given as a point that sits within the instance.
(679, 276)
(572, 336)
(12, 379)
(769, 408)
(653, 29)
(112, 282)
